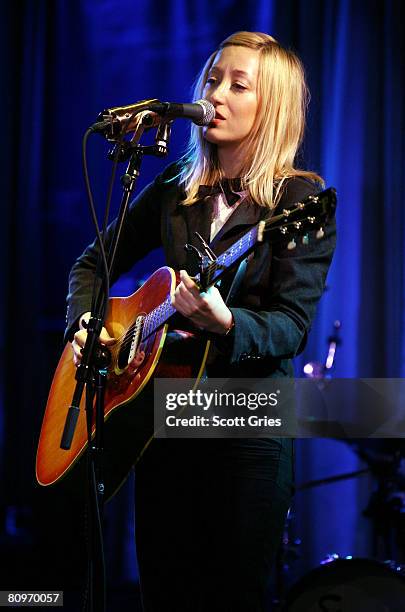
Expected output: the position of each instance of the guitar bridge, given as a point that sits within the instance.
(137, 333)
(130, 344)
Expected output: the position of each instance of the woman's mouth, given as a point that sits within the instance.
(218, 118)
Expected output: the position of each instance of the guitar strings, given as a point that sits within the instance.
(149, 324)
(126, 338)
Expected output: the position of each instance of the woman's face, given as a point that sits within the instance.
(232, 88)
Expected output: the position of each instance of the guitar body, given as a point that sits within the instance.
(128, 406)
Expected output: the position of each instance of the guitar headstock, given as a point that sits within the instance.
(313, 213)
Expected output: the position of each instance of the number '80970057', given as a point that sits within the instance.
(31, 598)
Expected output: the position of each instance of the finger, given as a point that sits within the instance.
(189, 283)
(80, 337)
(194, 314)
(77, 355)
(80, 340)
(188, 296)
(182, 305)
(105, 337)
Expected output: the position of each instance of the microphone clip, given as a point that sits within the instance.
(127, 147)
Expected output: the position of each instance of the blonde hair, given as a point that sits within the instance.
(277, 131)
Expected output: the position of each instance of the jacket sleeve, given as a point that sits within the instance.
(140, 235)
(297, 281)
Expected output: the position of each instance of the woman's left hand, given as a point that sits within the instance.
(206, 310)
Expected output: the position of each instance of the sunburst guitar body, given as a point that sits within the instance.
(136, 322)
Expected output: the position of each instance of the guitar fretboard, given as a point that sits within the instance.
(237, 251)
(159, 315)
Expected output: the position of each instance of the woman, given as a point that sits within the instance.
(209, 514)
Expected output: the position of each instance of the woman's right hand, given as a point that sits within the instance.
(81, 335)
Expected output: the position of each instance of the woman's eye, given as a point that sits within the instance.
(210, 81)
(239, 86)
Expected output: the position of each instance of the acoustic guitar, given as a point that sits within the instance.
(141, 323)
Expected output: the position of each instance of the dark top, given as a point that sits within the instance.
(278, 295)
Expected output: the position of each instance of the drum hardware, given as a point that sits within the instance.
(345, 587)
(315, 369)
(349, 585)
(320, 373)
(366, 584)
(331, 557)
(330, 479)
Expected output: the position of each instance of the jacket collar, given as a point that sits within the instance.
(227, 187)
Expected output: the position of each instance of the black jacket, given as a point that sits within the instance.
(279, 293)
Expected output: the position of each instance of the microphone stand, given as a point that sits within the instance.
(92, 373)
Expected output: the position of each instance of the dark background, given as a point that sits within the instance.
(64, 61)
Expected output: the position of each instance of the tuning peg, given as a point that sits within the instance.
(320, 233)
(291, 245)
(305, 239)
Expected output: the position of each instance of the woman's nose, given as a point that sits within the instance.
(217, 95)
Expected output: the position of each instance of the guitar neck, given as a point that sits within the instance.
(212, 274)
(214, 270)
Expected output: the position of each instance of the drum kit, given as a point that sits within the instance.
(352, 584)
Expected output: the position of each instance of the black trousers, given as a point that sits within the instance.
(209, 517)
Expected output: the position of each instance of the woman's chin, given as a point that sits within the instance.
(212, 136)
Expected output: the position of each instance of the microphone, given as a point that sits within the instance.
(112, 121)
(201, 112)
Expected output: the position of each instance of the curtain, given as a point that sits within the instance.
(61, 64)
